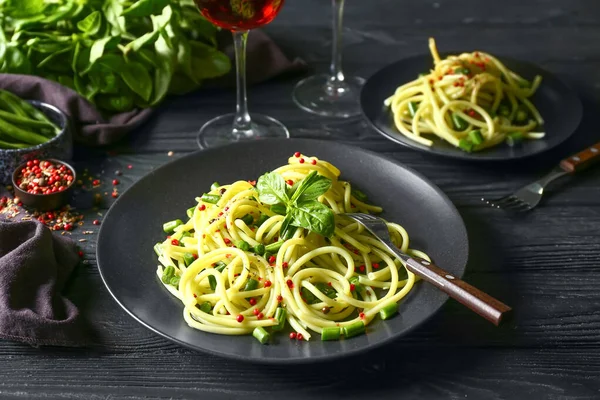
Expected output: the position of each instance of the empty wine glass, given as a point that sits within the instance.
(333, 94)
(239, 16)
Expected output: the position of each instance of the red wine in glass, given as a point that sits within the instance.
(238, 15)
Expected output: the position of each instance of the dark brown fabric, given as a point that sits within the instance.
(265, 61)
(35, 265)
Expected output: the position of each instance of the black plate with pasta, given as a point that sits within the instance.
(556, 105)
(212, 266)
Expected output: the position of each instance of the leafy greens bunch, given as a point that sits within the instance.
(119, 54)
(298, 203)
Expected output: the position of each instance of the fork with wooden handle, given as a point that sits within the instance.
(482, 303)
(530, 195)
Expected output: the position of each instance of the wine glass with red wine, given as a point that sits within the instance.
(239, 16)
(333, 94)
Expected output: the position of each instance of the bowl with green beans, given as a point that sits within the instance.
(30, 129)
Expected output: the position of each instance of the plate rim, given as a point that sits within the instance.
(464, 237)
(467, 156)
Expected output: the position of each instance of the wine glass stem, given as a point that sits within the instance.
(337, 76)
(242, 125)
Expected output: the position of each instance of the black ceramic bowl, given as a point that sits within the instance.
(59, 147)
(44, 202)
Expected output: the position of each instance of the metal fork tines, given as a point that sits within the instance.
(528, 196)
(377, 227)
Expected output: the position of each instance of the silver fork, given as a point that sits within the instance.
(478, 301)
(530, 195)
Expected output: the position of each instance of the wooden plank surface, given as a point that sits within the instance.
(545, 264)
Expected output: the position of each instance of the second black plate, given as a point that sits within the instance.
(558, 104)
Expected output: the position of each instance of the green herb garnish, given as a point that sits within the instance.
(302, 210)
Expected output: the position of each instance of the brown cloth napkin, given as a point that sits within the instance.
(35, 264)
(265, 60)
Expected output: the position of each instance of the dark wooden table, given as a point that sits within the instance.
(546, 264)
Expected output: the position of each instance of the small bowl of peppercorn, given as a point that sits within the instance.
(44, 184)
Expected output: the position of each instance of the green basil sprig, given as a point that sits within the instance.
(300, 202)
(119, 54)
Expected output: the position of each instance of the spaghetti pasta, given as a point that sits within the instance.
(472, 101)
(241, 263)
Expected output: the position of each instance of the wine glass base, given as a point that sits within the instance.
(219, 131)
(315, 95)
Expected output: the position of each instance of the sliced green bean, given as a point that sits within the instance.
(356, 282)
(158, 249)
(476, 137)
(220, 266)
(332, 333)
(261, 335)
(388, 311)
(169, 227)
(466, 145)
(251, 284)
(273, 247)
(459, 123)
(168, 274)
(174, 281)
(355, 329)
(210, 198)
(215, 185)
(280, 317)
(188, 259)
(212, 281)
(190, 212)
(413, 106)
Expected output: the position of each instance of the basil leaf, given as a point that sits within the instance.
(53, 56)
(271, 189)
(113, 62)
(211, 66)
(108, 43)
(315, 187)
(163, 74)
(143, 40)
(138, 79)
(112, 10)
(90, 24)
(287, 230)
(315, 217)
